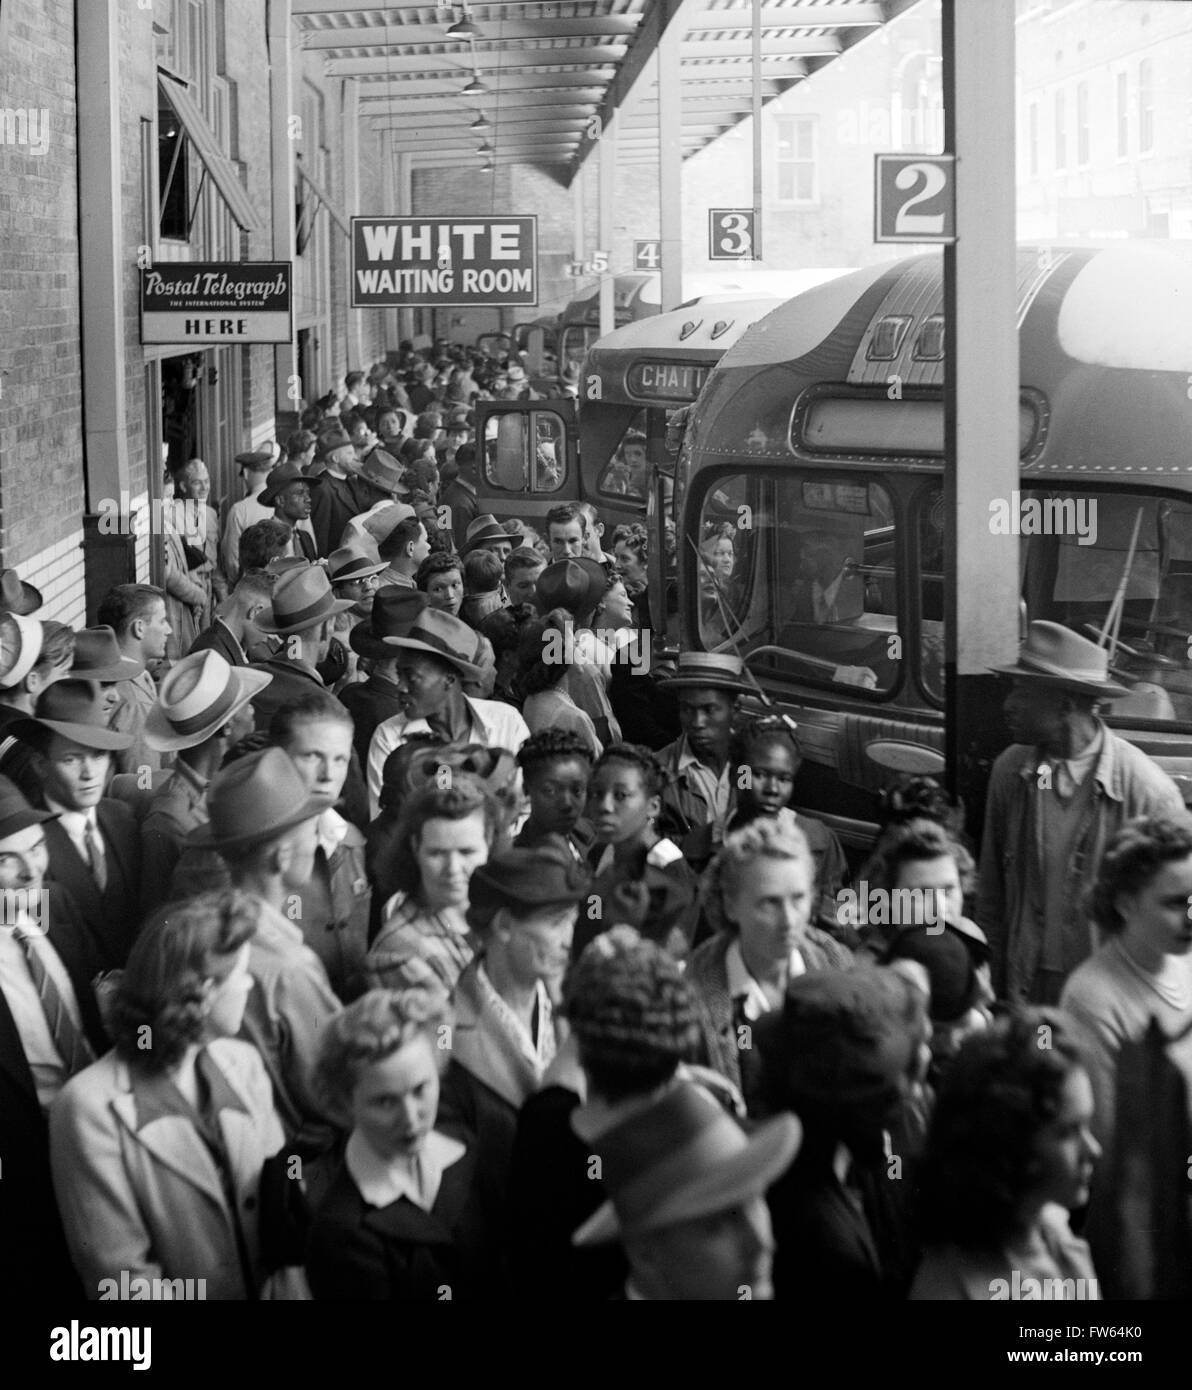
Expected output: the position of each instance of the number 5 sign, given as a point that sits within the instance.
(914, 197)
(731, 235)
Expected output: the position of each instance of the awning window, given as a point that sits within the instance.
(320, 194)
(221, 169)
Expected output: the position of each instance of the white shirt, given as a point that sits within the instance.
(20, 993)
(75, 824)
(383, 1181)
(741, 982)
(494, 724)
(241, 515)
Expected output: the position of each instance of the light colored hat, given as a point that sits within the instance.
(197, 698)
(439, 634)
(710, 670)
(19, 650)
(1056, 655)
(302, 599)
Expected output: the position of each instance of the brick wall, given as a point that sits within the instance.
(41, 485)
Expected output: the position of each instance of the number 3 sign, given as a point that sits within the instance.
(914, 197)
(731, 235)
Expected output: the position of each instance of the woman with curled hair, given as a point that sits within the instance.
(1010, 1151)
(558, 689)
(642, 879)
(405, 1219)
(157, 1148)
(759, 894)
(1141, 904)
(443, 834)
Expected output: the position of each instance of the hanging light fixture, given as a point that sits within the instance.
(488, 166)
(485, 148)
(475, 88)
(463, 28)
(481, 124)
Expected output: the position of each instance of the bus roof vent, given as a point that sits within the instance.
(929, 346)
(688, 329)
(721, 326)
(888, 334)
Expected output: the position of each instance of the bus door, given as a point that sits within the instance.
(529, 458)
(495, 345)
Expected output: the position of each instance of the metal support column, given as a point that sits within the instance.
(670, 166)
(350, 107)
(608, 198)
(389, 208)
(756, 105)
(107, 560)
(405, 208)
(982, 386)
(286, 385)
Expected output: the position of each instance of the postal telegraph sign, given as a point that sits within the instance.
(184, 302)
(423, 262)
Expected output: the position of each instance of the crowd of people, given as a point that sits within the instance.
(379, 922)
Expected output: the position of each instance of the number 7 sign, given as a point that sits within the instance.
(914, 197)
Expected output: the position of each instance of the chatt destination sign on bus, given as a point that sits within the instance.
(424, 262)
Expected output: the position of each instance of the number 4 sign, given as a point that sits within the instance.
(914, 197)
(647, 255)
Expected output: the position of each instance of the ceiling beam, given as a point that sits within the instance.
(497, 31)
(501, 85)
(469, 140)
(740, 72)
(375, 102)
(827, 47)
(825, 16)
(461, 60)
(462, 120)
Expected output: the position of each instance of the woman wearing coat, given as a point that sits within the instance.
(157, 1148)
(407, 1218)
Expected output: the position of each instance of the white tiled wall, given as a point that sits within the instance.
(58, 573)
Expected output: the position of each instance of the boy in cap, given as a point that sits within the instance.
(263, 823)
(254, 466)
(94, 847)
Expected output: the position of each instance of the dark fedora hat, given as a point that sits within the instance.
(281, 478)
(15, 812)
(384, 472)
(680, 1158)
(257, 797)
(353, 561)
(485, 530)
(74, 709)
(547, 875)
(97, 657)
(394, 611)
(302, 599)
(707, 670)
(439, 634)
(16, 596)
(577, 585)
(256, 460)
(335, 437)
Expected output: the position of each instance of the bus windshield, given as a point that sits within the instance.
(799, 571)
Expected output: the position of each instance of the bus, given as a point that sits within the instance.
(810, 502)
(610, 446)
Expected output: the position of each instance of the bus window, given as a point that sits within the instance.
(509, 461)
(1089, 556)
(807, 567)
(931, 589)
(627, 473)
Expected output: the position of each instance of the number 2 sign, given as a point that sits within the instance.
(914, 197)
(732, 235)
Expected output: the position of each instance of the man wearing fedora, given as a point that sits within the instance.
(254, 466)
(49, 1029)
(381, 479)
(354, 570)
(338, 500)
(700, 789)
(137, 614)
(485, 532)
(372, 701)
(303, 616)
(16, 596)
(33, 655)
(94, 846)
(686, 1188)
(288, 492)
(434, 659)
(459, 496)
(1056, 797)
(201, 710)
(263, 824)
(235, 630)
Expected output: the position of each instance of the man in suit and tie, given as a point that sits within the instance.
(49, 1029)
(94, 844)
(289, 494)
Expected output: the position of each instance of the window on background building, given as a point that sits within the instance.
(1061, 130)
(173, 174)
(1033, 138)
(1082, 124)
(796, 164)
(1122, 87)
(1146, 106)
